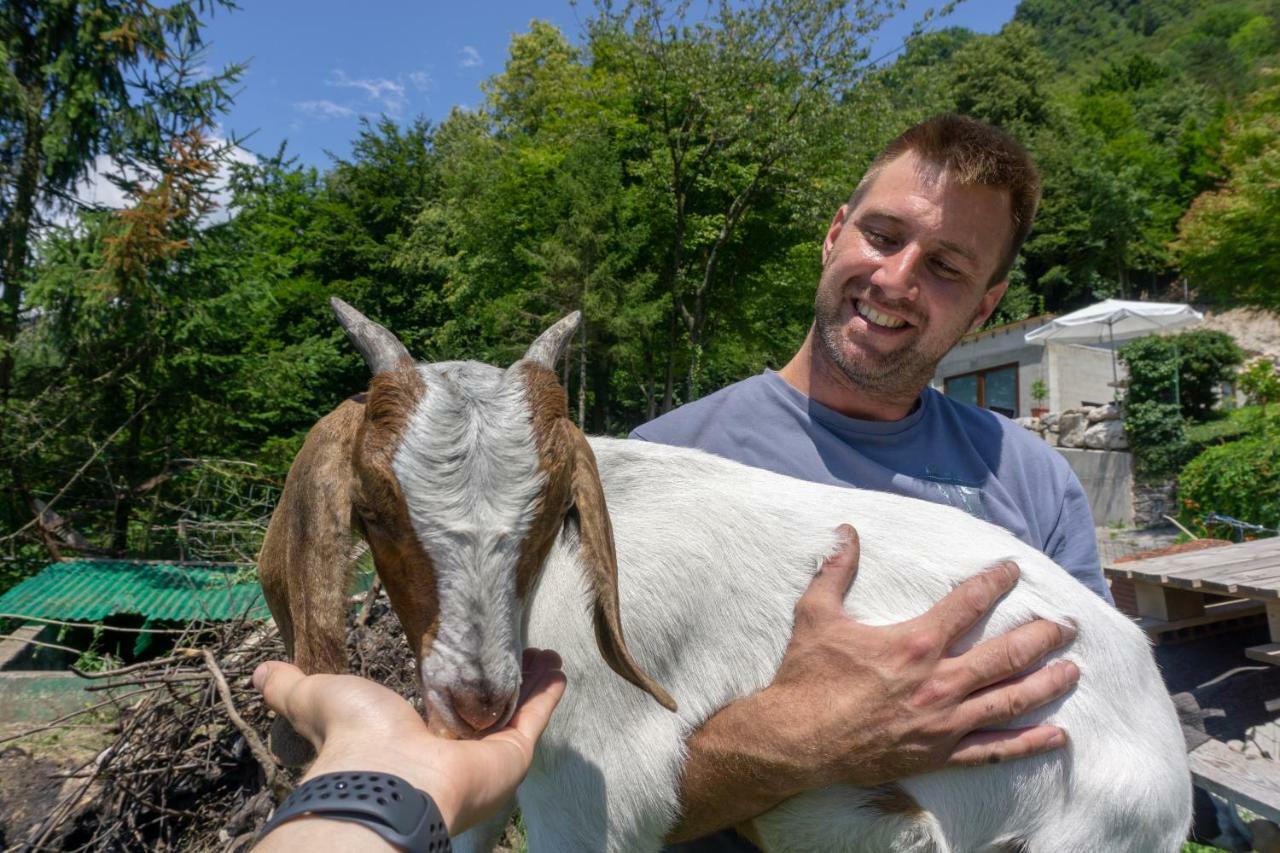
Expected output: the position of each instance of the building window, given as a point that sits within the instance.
(995, 388)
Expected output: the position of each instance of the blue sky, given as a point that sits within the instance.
(316, 66)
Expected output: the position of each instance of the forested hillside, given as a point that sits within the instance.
(670, 177)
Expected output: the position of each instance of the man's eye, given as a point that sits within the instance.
(946, 270)
(877, 238)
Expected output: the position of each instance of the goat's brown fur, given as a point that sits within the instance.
(566, 455)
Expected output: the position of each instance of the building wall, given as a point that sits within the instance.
(1078, 374)
(1003, 346)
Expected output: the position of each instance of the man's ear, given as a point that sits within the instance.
(833, 233)
(990, 300)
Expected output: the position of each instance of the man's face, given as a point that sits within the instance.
(905, 274)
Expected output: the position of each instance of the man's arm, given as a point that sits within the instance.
(867, 705)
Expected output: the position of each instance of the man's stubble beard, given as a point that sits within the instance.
(899, 376)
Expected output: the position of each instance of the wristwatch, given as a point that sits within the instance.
(387, 804)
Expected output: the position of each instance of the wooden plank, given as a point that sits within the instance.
(1215, 612)
(1262, 549)
(1267, 653)
(1161, 569)
(1250, 782)
(1161, 602)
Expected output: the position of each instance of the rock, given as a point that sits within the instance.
(1071, 429)
(1106, 435)
(1109, 412)
(1028, 423)
(1152, 501)
(1050, 420)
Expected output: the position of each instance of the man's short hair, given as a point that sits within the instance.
(971, 153)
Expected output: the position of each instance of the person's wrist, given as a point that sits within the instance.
(401, 758)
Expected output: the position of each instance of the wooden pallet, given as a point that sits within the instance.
(1250, 782)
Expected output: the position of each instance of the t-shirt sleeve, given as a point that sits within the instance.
(1073, 543)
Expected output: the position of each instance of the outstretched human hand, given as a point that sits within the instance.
(356, 724)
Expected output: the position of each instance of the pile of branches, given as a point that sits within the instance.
(189, 767)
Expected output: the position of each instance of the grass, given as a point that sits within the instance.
(1192, 847)
(1236, 424)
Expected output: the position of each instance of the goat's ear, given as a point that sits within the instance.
(305, 562)
(599, 559)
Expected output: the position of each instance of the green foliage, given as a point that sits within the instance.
(1206, 360)
(1190, 367)
(1261, 383)
(1157, 436)
(1039, 390)
(1240, 479)
(1229, 242)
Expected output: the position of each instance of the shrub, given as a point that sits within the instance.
(1157, 436)
(1261, 383)
(1240, 479)
(1195, 363)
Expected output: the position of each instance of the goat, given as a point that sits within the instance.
(485, 510)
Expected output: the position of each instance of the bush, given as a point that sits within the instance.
(1157, 436)
(1240, 479)
(1261, 383)
(1195, 363)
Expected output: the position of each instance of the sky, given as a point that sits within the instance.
(315, 67)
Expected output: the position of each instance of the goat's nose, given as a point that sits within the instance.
(478, 707)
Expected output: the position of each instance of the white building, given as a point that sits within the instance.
(996, 369)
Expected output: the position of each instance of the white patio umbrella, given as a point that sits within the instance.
(1115, 319)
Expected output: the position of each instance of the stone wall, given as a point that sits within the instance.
(1093, 443)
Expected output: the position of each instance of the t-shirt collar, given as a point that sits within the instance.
(838, 422)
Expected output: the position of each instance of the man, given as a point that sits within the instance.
(918, 257)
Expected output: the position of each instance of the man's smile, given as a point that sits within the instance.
(878, 320)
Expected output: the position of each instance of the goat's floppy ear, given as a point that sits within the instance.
(305, 562)
(599, 558)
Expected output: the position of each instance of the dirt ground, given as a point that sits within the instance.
(34, 771)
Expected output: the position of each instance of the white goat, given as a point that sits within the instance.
(485, 513)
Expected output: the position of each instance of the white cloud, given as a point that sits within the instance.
(421, 81)
(469, 57)
(387, 93)
(324, 109)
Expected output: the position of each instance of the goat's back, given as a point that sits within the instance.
(712, 557)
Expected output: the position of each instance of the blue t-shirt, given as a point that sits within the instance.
(944, 451)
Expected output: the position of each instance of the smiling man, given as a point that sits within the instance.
(919, 256)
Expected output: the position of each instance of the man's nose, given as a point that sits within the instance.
(896, 275)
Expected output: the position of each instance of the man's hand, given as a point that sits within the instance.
(866, 705)
(356, 724)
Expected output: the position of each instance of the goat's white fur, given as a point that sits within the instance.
(468, 470)
(712, 557)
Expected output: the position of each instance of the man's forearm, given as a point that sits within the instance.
(737, 768)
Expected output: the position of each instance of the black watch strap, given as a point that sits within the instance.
(387, 804)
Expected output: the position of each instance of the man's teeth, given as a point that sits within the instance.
(879, 319)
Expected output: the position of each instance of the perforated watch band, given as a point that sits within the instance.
(387, 804)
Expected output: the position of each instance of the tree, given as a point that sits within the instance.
(733, 108)
(83, 78)
(1229, 241)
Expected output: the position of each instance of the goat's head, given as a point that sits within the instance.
(460, 476)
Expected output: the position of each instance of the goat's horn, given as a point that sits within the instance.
(549, 346)
(382, 350)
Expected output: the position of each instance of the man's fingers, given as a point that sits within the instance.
(964, 606)
(1009, 654)
(1001, 704)
(835, 576)
(996, 746)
